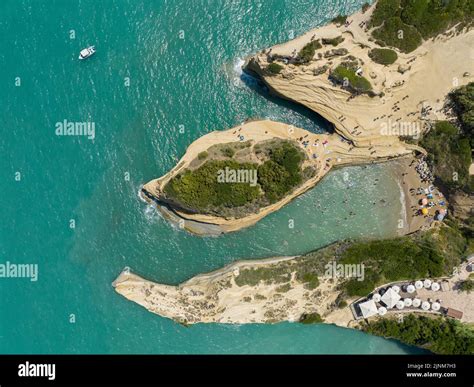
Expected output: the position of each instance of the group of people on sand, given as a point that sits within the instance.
(424, 171)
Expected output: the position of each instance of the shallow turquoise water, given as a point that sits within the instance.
(191, 83)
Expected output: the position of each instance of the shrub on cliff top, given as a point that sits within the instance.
(349, 79)
(383, 56)
(397, 34)
(306, 54)
(339, 19)
(449, 154)
(274, 68)
(333, 41)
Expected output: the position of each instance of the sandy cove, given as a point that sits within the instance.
(418, 79)
(331, 150)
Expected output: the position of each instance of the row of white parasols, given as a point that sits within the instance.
(409, 302)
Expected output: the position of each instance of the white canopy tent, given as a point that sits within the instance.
(368, 308)
(376, 297)
(416, 302)
(390, 298)
(400, 304)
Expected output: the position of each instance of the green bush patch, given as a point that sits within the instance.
(383, 56)
(306, 54)
(449, 154)
(274, 68)
(349, 79)
(442, 336)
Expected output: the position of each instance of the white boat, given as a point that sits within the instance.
(87, 52)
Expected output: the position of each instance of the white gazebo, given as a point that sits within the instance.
(418, 284)
(390, 298)
(411, 289)
(368, 308)
(416, 302)
(435, 286)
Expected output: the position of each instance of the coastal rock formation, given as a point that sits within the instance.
(264, 291)
(323, 151)
(400, 93)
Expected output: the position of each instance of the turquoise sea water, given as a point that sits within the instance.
(179, 90)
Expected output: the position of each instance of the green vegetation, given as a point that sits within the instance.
(342, 304)
(463, 104)
(391, 260)
(283, 288)
(274, 68)
(339, 19)
(442, 336)
(383, 56)
(384, 10)
(348, 78)
(397, 34)
(200, 189)
(466, 286)
(202, 155)
(417, 19)
(306, 54)
(310, 279)
(228, 152)
(333, 41)
(449, 154)
(311, 318)
(282, 172)
(267, 274)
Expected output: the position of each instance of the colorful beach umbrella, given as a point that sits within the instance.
(424, 201)
(424, 211)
